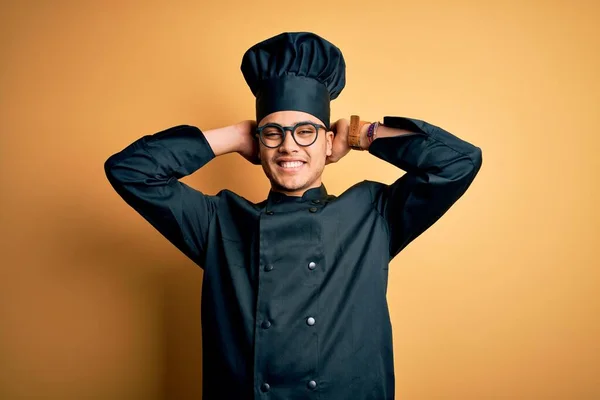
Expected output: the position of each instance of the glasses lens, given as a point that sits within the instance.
(305, 134)
(272, 136)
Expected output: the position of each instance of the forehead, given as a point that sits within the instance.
(289, 118)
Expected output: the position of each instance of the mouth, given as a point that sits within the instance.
(290, 166)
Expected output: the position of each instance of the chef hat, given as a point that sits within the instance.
(298, 71)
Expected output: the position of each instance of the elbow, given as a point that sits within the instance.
(470, 168)
(111, 171)
(109, 167)
(461, 173)
(476, 159)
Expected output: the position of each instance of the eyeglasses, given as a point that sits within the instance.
(304, 133)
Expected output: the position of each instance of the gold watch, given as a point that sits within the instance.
(354, 132)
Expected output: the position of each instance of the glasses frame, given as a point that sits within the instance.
(292, 129)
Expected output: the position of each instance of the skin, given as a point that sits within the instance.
(330, 147)
(294, 181)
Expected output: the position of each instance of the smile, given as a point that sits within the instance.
(290, 165)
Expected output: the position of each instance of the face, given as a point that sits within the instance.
(291, 168)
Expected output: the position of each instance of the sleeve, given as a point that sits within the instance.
(146, 175)
(439, 169)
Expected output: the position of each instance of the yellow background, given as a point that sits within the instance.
(499, 300)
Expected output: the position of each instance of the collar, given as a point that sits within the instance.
(315, 195)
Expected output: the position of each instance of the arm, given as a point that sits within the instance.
(146, 175)
(439, 168)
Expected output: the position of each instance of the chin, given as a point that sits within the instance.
(289, 183)
(290, 186)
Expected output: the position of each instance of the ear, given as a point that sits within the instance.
(329, 138)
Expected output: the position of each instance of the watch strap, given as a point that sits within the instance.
(354, 132)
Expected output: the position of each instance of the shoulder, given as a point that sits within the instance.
(365, 190)
(232, 200)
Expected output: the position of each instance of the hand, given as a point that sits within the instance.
(341, 147)
(248, 144)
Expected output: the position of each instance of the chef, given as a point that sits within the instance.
(294, 287)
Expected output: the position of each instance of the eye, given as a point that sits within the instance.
(306, 130)
(271, 132)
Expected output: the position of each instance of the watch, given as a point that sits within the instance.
(354, 132)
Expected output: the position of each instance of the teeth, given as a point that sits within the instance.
(291, 164)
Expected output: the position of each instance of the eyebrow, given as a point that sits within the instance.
(295, 123)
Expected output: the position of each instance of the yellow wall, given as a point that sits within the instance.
(499, 300)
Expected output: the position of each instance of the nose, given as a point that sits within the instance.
(288, 145)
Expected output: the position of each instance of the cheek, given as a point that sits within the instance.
(323, 151)
(264, 157)
(317, 157)
(263, 154)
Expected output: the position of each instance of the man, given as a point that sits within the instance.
(294, 288)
